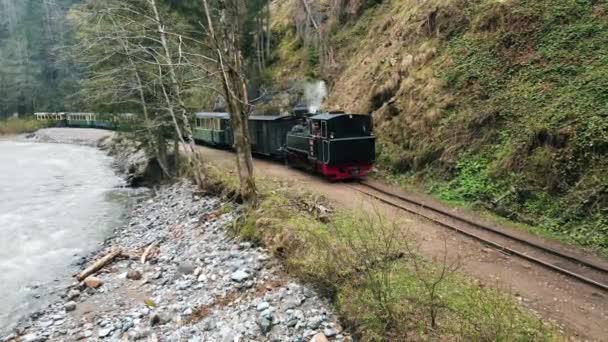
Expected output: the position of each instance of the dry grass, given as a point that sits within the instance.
(19, 126)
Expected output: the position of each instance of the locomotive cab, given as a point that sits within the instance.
(338, 145)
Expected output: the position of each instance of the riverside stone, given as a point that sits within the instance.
(329, 332)
(70, 306)
(92, 282)
(133, 275)
(105, 331)
(320, 337)
(185, 268)
(240, 276)
(72, 294)
(262, 306)
(265, 325)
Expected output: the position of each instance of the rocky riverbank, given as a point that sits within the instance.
(78, 136)
(197, 284)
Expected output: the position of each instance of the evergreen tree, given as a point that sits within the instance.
(34, 74)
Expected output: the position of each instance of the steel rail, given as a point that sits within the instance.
(491, 229)
(496, 245)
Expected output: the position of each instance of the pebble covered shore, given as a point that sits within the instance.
(77, 136)
(198, 284)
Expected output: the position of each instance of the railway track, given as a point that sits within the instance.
(590, 272)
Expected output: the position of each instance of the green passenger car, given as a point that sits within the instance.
(85, 120)
(213, 129)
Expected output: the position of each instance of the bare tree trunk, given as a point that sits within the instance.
(261, 41)
(230, 61)
(192, 156)
(157, 142)
(268, 31)
(258, 52)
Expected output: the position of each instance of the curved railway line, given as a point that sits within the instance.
(579, 268)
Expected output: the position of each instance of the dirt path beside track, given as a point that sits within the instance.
(579, 310)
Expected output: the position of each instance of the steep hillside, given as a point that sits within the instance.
(503, 103)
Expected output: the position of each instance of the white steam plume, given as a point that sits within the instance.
(314, 94)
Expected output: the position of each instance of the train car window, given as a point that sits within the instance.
(324, 129)
(316, 129)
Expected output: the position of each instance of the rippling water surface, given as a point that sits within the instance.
(57, 203)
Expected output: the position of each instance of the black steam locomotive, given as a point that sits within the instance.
(336, 144)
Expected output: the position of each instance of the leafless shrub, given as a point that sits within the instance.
(432, 279)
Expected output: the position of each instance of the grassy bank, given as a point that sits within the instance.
(18, 126)
(371, 271)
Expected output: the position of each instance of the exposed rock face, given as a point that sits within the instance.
(199, 284)
(129, 158)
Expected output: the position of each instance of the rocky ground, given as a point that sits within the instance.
(79, 136)
(197, 284)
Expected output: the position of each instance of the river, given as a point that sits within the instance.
(57, 204)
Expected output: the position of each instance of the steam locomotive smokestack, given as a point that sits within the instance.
(314, 94)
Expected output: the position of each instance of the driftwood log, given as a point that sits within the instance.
(99, 264)
(146, 252)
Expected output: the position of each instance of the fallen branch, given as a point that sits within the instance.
(99, 264)
(146, 253)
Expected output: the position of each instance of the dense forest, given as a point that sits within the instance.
(34, 73)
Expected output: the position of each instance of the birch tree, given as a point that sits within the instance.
(127, 44)
(224, 35)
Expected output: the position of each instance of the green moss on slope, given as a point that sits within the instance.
(540, 68)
